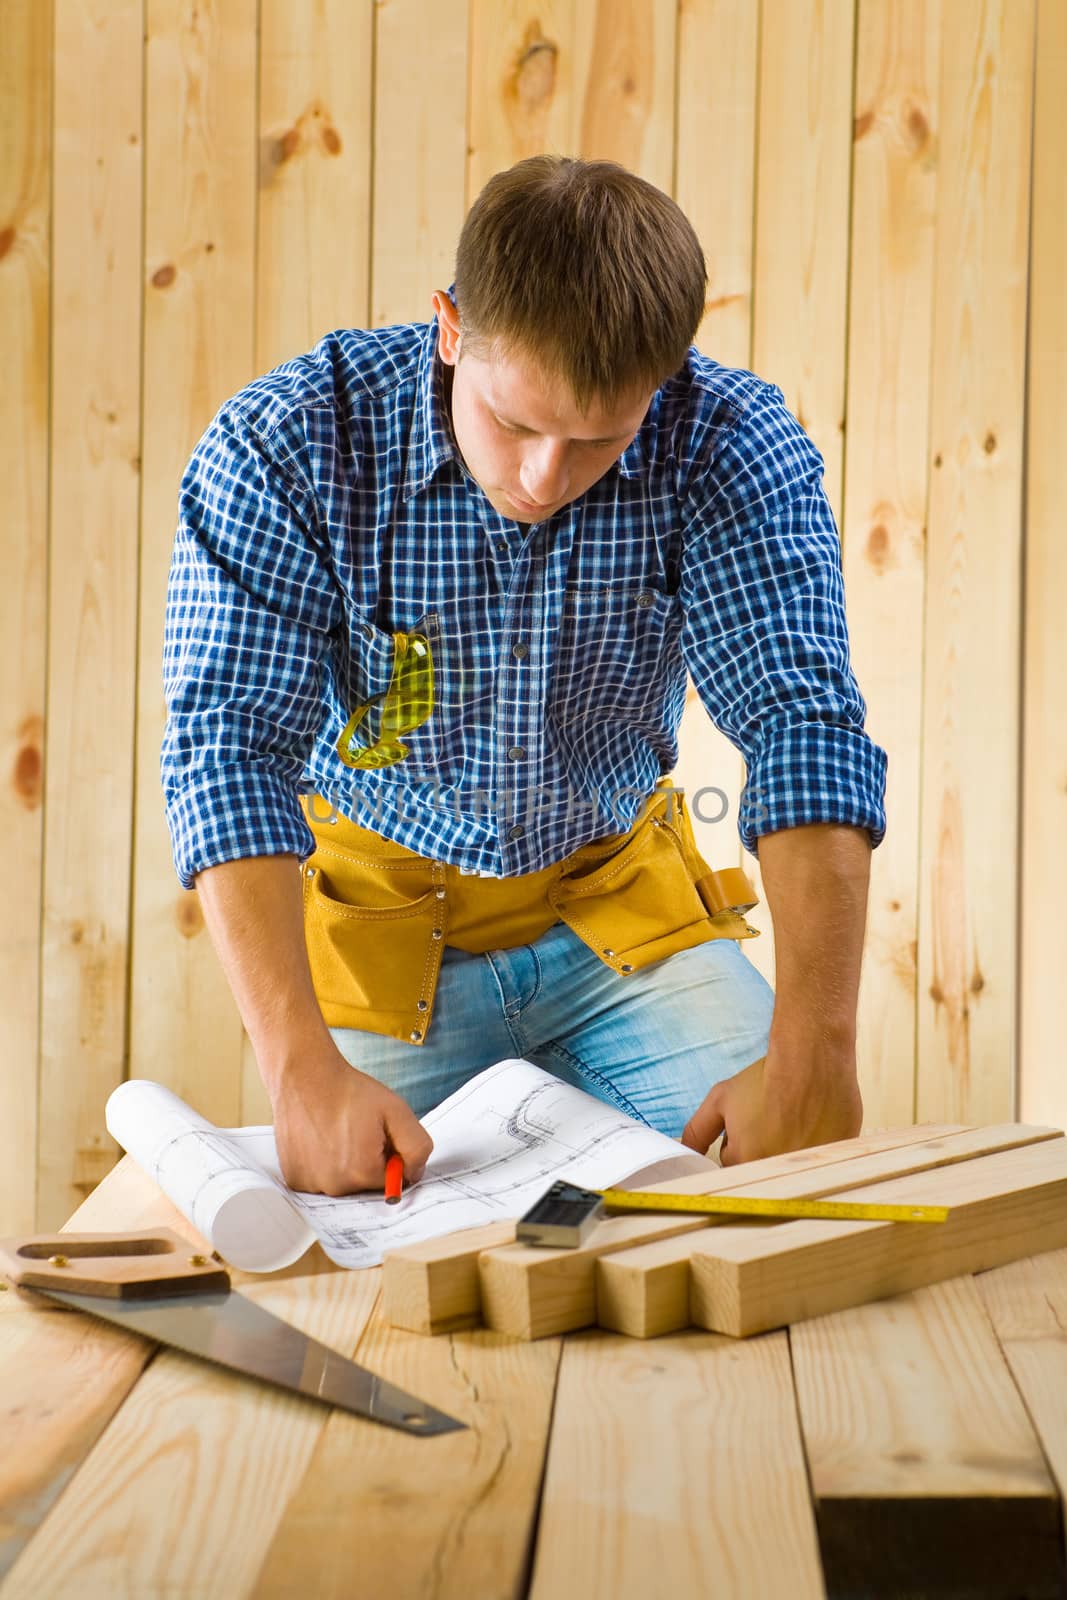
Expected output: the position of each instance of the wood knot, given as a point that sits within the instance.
(918, 128)
(989, 443)
(937, 459)
(7, 239)
(188, 917)
(287, 146)
(534, 81)
(862, 125)
(28, 774)
(878, 546)
(331, 141)
(163, 277)
(937, 994)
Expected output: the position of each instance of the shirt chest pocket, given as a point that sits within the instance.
(375, 681)
(617, 648)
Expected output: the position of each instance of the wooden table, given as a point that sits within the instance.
(921, 1442)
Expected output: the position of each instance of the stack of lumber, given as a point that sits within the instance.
(652, 1274)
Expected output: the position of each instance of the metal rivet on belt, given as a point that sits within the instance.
(440, 893)
(438, 933)
(312, 871)
(607, 952)
(626, 967)
(334, 820)
(423, 1004)
(416, 1033)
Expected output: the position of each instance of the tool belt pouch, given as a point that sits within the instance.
(619, 904)
(374, 932)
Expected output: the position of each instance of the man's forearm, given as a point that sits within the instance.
(816, 880)
(254, 913)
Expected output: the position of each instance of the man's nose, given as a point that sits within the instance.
(544, 472)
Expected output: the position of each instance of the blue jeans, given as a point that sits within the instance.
(652, 1043)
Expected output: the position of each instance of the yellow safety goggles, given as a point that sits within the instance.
(406, 703)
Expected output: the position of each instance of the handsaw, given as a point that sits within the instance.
(154, 1283)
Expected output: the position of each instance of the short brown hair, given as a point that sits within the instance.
(591, 272)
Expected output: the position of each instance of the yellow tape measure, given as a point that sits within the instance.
(747, 1206)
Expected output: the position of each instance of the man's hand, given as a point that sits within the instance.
(335, 1127)
(779, 1104)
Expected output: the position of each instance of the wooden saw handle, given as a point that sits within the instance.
(144, 1263)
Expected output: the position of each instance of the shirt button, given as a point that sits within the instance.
(517, 831)
(516, 752)
(645, 598)
(519, 651)
(501, 545)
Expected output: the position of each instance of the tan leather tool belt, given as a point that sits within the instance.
(377, 916)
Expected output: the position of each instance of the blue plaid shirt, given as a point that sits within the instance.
(327, 505)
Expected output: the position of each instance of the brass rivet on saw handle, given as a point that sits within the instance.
(198, 1261)
(58, 1261)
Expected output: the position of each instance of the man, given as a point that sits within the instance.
(434, 595)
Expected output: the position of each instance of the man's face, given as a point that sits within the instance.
(520, 434)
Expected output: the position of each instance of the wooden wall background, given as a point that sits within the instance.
(192, 191)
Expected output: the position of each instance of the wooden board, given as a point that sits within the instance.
(533, 1292)
(95, 415)
(925, 1468)
(644, 1291)
(25, 249)
(1002, 1207)
(1043, 873)
(663, 1470)
(200, 255)
(452, 1516)
(967, 957)
(98, 1538)
(894, 200)
(423, 1294)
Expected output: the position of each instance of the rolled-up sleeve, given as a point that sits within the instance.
(250, 605)
(765, 638)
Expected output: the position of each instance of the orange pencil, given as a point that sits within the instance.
(394, 1179)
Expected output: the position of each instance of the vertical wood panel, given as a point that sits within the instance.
(715, 160)
(200, 71)
(315, 97)
(1043, 944)
(95, 484)
(894, 198)
(420, 145)
(801, 251)
(968, 853)
(25, 202)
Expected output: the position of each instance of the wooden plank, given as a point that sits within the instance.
(419, 152)
(1003, 1206)
(1043, 885)
(425, 1297)
(675, 1472)
(227, 1450)
(531, 1293)
(451, 1517)
(970, 778)
(804, 140)
(316, 102)
(63, 1377)
(926, 1472)
(716, 99)
(432, 1287)
(645, 1291)
(199, 246)
(94, 492)
(25, 166)
(1026, 1302)
(891, 228)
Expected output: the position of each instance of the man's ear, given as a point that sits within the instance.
(447, 326)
